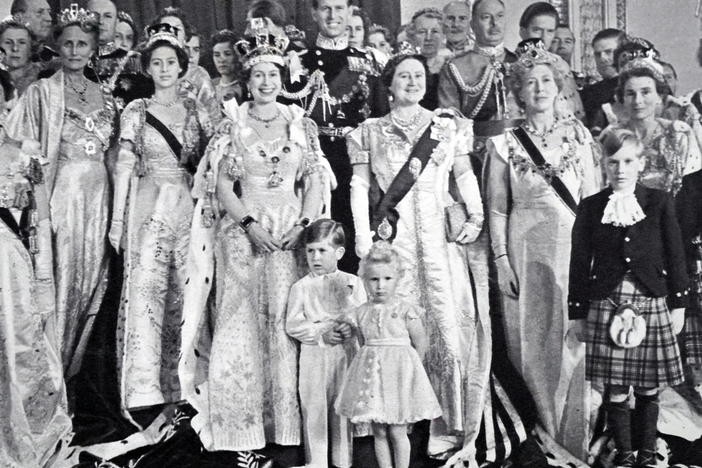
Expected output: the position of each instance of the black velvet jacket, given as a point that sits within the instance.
(602, 253)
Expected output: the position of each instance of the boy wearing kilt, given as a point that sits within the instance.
(627, 295)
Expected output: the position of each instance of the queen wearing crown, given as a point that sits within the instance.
(260, 183)
(536, 175)
(73, 119)
(161, 141)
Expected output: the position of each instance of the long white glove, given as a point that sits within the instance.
(470, 193)
(123, 172)
(361, 215)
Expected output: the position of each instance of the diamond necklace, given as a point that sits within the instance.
(266, 122)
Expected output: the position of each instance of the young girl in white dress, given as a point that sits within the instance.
(386, 384)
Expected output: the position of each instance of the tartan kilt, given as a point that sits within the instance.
(691, 338)
(654, 363)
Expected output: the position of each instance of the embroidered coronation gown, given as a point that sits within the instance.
(157, 232)
(242, 379)
(539, 225)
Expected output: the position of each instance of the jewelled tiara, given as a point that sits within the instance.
(530, 54)
(73, 15)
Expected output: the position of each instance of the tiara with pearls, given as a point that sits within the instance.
(74, 14)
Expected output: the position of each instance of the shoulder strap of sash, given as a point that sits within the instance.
(556, 183)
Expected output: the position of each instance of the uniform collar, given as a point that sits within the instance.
(490, 51)
(324, 42)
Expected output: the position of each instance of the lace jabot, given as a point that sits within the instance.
(622, 210)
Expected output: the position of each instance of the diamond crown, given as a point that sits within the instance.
(262, 46)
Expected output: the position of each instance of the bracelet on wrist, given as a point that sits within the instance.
(246, 222)
(304, 222)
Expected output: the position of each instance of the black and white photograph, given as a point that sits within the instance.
(350, 234)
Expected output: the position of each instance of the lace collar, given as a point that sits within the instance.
(324, 42)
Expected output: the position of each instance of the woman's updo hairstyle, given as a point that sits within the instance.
(613, 140)
(14, 22)
(124, 17)
(163, 35)
(379, 28)
(531, 52)
(87, 21)
(381, 253)
(406, 51)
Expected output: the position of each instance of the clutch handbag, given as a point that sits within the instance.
(455, 217)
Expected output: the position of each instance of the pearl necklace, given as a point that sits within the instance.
(165, 104)
(409, 124)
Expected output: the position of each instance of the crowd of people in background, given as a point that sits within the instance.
(527, 239)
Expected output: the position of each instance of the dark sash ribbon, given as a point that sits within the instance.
(556, 183)
(401, 184)
(167, 135)
(21, 229)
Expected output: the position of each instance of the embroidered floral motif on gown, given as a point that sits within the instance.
(158, 231)
(538, 244)
(243, 379)
(445, 280)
